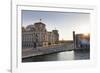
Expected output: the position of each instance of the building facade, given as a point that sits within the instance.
(81, 41)
(36, 35)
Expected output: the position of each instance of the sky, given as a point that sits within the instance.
(64, 22)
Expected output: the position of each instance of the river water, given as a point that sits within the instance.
(61, 56)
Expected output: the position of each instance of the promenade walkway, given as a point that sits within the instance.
(28, 52)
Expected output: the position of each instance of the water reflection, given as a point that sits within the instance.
(62, 56)
(81, 55)
(66, 55)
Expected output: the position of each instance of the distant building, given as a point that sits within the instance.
(36, 35)
(81, 40)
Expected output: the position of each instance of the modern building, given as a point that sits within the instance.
(36, 35)
(81, 41)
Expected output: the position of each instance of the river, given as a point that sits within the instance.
(61, 56)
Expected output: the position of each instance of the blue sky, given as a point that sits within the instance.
(64, 22)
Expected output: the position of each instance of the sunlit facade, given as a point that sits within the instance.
(36, 35)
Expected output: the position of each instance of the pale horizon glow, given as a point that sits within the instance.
(64, 22)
